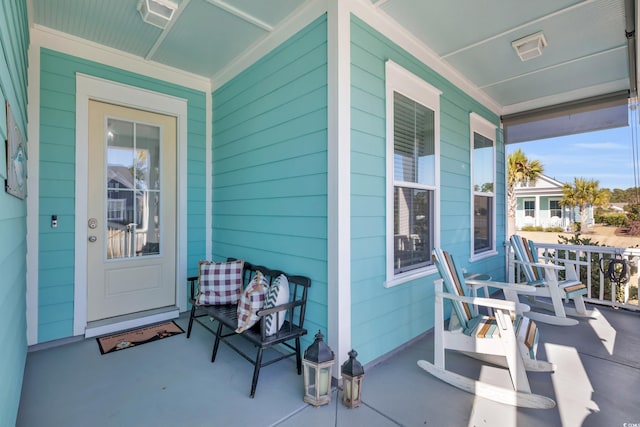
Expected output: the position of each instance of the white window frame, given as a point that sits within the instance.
(400, 80)
(524, 207)
(559, 208)
(482, 126)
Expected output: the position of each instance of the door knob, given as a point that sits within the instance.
(92, 223)
(92, 239)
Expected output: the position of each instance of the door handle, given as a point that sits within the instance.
(92, 239)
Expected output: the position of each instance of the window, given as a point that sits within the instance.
(412, 174)
(116, 209)
(555, 209)
(483, 177)
(530, 208)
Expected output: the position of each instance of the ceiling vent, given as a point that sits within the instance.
(530, 47)
(157, 12)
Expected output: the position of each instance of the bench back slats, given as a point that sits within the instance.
(295, 309)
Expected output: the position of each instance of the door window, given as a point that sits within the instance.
(133, 189)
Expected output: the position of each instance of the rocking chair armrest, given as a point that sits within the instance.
(541, 264)
(484, 302)
(572, 262)
(521, 289)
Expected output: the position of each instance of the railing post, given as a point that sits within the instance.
(584, 257)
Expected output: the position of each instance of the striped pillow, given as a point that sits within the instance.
(219, 283)
(277, 294)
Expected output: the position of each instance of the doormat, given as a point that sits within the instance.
(136, 337)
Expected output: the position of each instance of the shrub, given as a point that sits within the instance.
(634, 228)
(532, 228)
(614, 219)
(633, 211)
(554, 229)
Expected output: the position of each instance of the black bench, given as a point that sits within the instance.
(226, 321)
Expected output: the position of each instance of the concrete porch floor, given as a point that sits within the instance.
(172, 383)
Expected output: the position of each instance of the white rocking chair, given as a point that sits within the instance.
(501, 340)
(544, 277)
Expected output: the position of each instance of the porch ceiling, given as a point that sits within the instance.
(586, 53)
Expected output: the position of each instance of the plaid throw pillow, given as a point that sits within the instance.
(277, 294)
(219, 283)
(251, 301)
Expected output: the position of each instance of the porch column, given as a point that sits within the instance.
(537, 218)
(339, 181)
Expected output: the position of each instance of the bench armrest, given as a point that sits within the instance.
(288, 306)
(192, 281)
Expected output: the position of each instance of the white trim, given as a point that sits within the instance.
(398, 79)
(384, 24)
(370, 13)
(483, 255)
(339, 180)
(81, 48)
(554, 199)
(89, 87)
(296, 22)
(208, 185)
(410, 275)
(483, 126)
(33, 193)
(480, 125)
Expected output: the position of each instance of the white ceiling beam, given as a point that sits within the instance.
(551, 67)
(388, 27)
(295, 22)
(241, 14)
(82, 48)
(380, 3)
(519, 27)
(165, 31)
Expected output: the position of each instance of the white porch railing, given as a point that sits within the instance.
(601, 290)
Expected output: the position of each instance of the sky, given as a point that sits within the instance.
(606, 156)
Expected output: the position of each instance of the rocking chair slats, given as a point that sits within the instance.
(459, 289)
(506, 338)
(544, 277)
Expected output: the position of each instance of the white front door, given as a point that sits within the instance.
(131, 247)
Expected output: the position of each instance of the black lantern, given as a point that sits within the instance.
(317, 363)
(352, 375)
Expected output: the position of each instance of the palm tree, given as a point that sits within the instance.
(519, 170)
(583, 194)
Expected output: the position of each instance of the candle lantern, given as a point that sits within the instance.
(352, 375)
(317, 362)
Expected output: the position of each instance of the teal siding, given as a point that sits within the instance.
(57, 180)
(270, 164)
(14, 43)
(383, 319)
